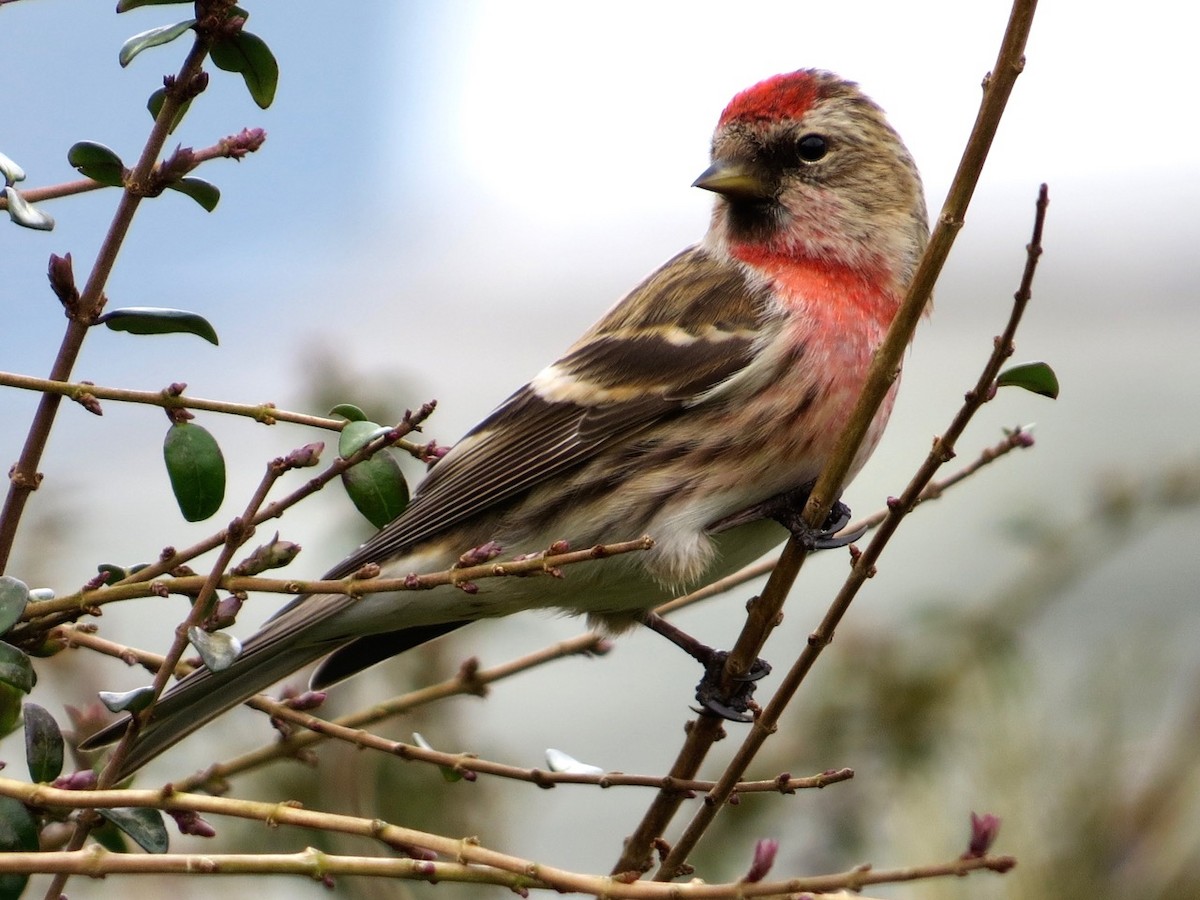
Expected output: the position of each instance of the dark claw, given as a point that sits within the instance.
(824, 538)
(733, 705)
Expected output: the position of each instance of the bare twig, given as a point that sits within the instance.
(264, 413)
(465, 852)
(73, 605)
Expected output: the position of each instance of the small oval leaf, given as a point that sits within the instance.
(98, 163)
(10, 709)
(356, 434)
(18, 834)
(1036, 377)
(248, 55)
(143, 824)
(155, 37)
(377, 488)
(25, 214)
(16, 669)
(43, 744)
(196, 469)
(203, 192)
(349, 412)
(155, 320)
(127, 701)
(10, 170)
(14, 595)
(218, 649)
(154, 105)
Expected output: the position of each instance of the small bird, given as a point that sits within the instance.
(699, 406)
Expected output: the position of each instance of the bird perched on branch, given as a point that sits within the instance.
(698, 410)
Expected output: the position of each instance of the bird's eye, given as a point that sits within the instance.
(812, 147)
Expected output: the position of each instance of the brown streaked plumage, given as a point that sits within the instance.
(717, 384)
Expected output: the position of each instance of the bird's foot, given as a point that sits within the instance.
(734, 704)
(788, 510)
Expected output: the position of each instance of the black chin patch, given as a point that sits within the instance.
(753, 220)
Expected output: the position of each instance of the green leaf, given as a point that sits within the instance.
(248, 55)
(377, 488)
(155, 37)
(18, 834)
(16, 669)
(1037, 377)
(218, 650)
(203, 192)
(156, 320)
(10, 708)
(349, 412)
(357, 434)
(127, 5)
(14, 595)
(196, 469)
(98, 163)
(143, 824)
(127, 701)
(25, 213)
(154, 105)
(43, 744)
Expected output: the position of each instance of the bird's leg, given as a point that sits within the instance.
(728, 705)
(788, 510)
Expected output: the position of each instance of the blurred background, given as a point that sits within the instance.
(451, 192)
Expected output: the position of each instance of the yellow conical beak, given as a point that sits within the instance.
(734, 180)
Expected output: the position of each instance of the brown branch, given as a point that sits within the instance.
(264, 413)
(469, 680)
(763, 614)
(354, 586)
(467, 852)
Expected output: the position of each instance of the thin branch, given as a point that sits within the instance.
(311, 863)
(229, 148)
(264, 413)
(394, 837)
(763, 614)
(356, 585)
(470, 680)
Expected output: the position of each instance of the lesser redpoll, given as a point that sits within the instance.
(716, 386)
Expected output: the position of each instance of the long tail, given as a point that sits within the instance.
(203, 695)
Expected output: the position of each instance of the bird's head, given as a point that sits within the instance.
(806, 166)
